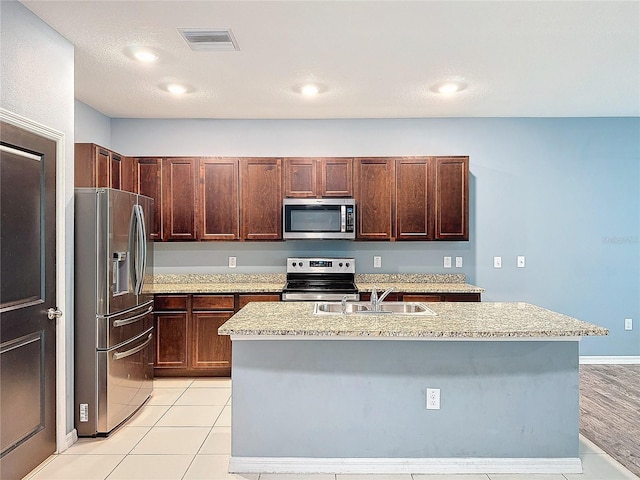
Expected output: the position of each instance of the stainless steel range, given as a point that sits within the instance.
(320, 278)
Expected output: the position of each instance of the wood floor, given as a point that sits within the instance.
(610, 410)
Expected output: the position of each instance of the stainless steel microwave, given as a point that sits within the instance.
(319, 218)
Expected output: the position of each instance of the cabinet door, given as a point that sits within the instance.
(300, 177)
(451, 198)
(414, 219)
(374, 197)
(91, 165)
(171, 339)
(147, 180)
(179, 198)
(115, 171)
(102, 165)
(261, 211)
(336, 177)
(218, 200)
(127, 174)
(208, 349)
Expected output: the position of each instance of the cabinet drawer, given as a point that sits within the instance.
(244, 299)
(462, 297)
(422, 297)
(213, 302)
(171, 302)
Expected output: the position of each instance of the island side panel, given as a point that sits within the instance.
(366, 399)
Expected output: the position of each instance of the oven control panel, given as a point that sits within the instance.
(321, 265)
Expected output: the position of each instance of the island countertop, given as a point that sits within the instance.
(453, 320)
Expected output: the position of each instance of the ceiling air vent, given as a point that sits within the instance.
(201, 39)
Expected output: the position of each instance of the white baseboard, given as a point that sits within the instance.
(403, 465)
(610, 360)
(69, 439)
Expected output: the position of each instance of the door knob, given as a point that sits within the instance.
(54, 313)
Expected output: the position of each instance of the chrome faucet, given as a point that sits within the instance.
(376, 301)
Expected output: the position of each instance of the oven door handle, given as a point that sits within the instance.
(121, 355)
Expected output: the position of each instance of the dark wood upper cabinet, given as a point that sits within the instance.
(413, 199)
(261, 193)
(127, 167)
(300, 177)
(226, 198)
(318, 177)
(96, 166)
(115, 170)
(218, 199)
(451, 175)
(179, 198)
(147, 180)
(336, 177)
(375, 197)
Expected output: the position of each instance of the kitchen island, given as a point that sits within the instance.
(347, 393)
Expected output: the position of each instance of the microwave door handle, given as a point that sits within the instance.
(343, 218)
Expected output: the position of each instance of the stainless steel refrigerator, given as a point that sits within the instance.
(113, 325)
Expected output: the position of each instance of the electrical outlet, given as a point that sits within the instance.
(521, 261)
(232, 262)
(628, 323)
(433, 399)
(458, 262)
(497, 262)
(447, 262)
(377, 262)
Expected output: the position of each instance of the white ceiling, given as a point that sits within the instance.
(378, 59)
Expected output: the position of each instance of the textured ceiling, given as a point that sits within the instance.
(377, 59)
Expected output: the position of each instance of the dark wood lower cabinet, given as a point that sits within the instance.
(171, 340)
(187, 340)
(440, 297)
(426, 297)
(210, 351)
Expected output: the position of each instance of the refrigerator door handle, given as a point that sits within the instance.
(139, 249)
(143, 246)
(142, 346)
(127, 321)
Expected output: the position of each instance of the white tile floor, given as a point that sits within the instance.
(184, 432)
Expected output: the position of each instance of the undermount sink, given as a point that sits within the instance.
(356, 308)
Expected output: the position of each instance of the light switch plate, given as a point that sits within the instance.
(521, 261)
(377, 262)
(458, 262)
(497, 262)
(447, 262)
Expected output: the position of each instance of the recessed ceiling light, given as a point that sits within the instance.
(310, 89)
(448, 88)
(145, 55)
(176, 88)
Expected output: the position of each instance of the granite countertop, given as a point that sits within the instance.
(472, 320)
(274, 283)
(218, 283)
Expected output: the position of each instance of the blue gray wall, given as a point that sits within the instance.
(564, 192)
